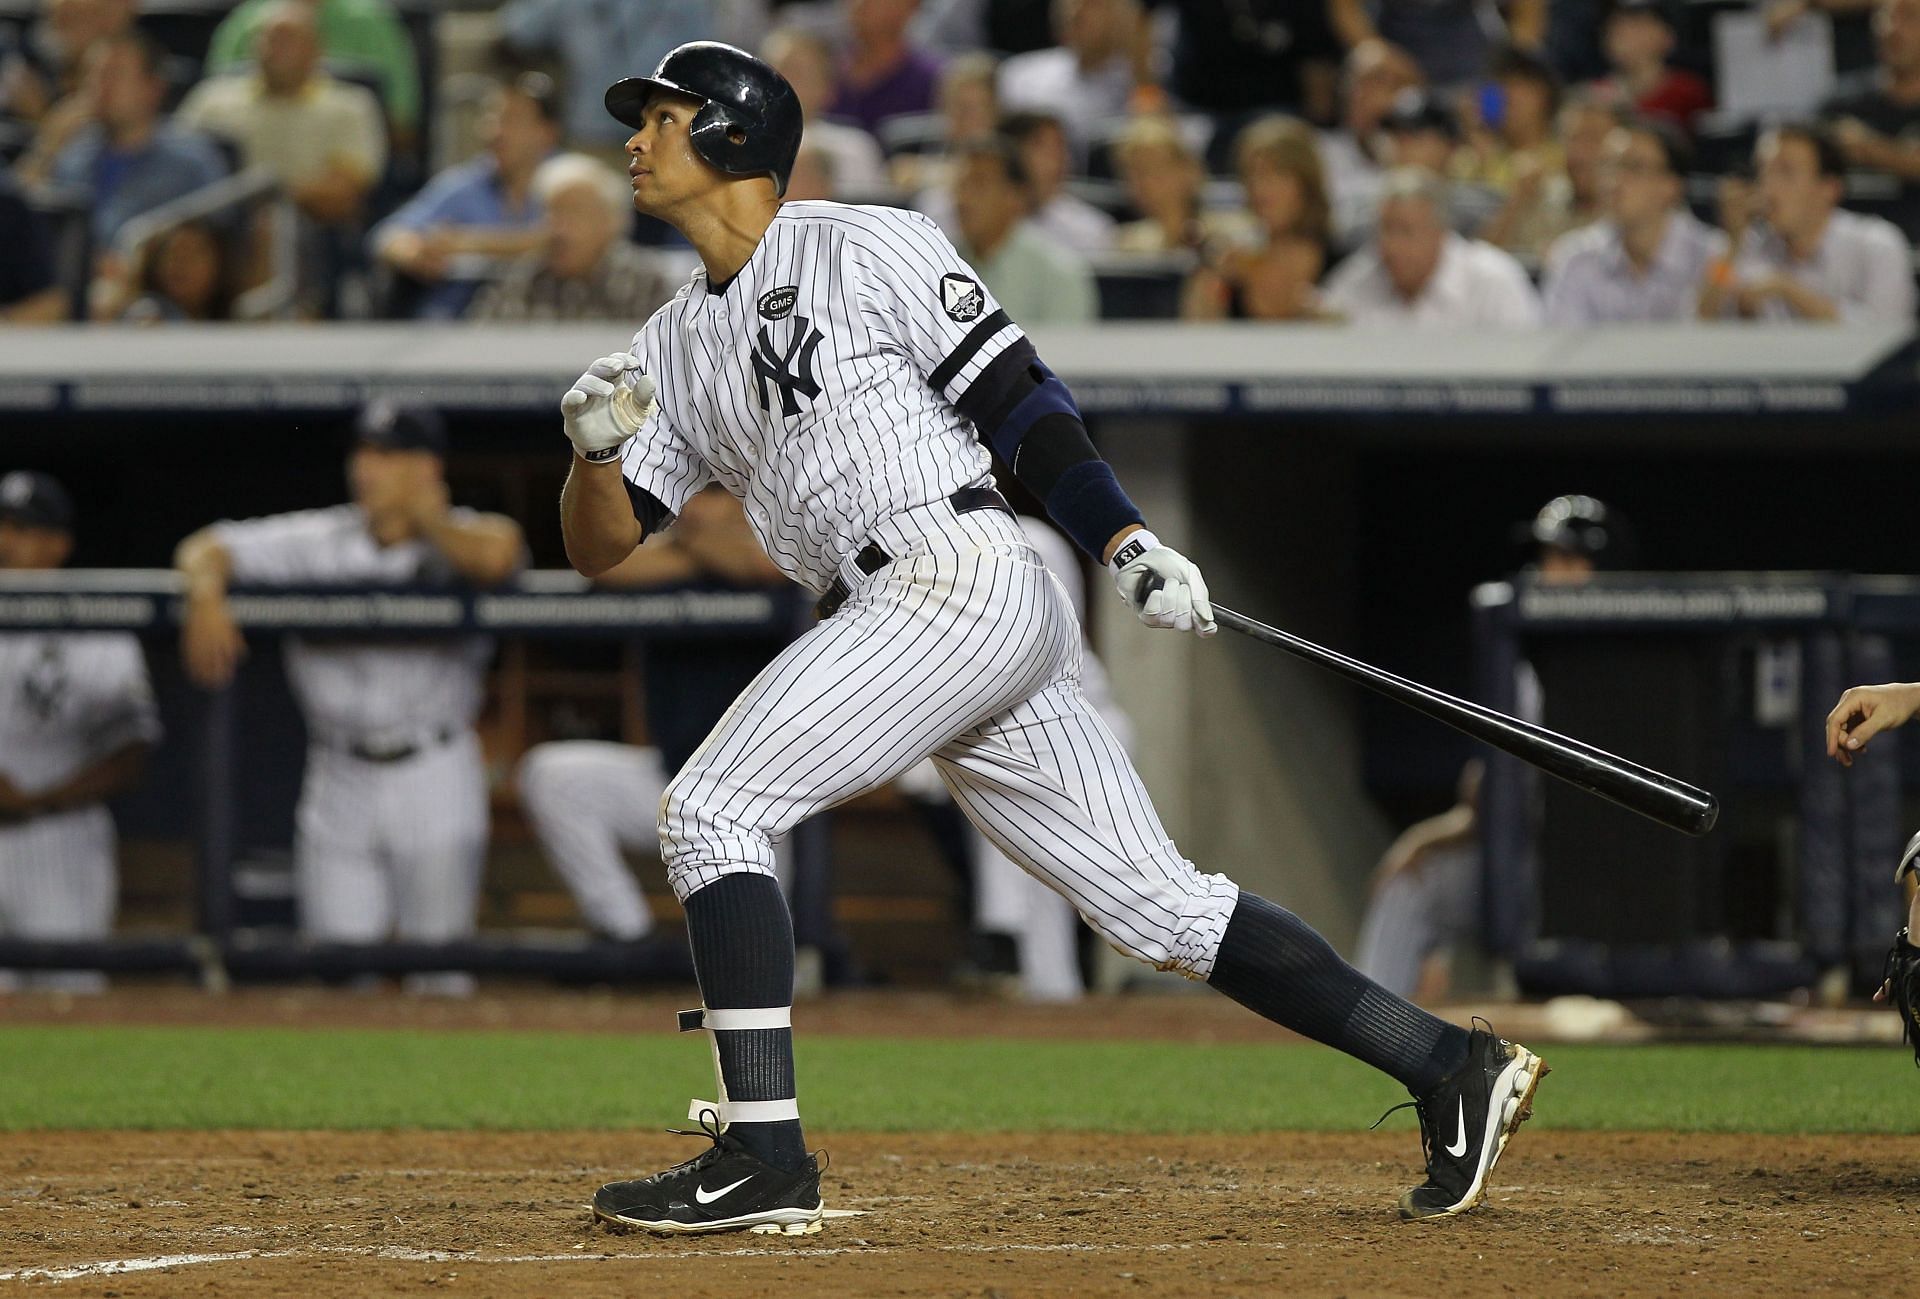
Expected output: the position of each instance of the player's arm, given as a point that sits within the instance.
(603, 516)
(1865, 711)
(485, 549)
(1030, 418)
(94, 783)
(210, 642)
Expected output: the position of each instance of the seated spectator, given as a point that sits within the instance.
(324, 139)
(1421, 132)
(185, 275)
(356, 37)
(1645, 260)
(598, 43)
(1164, 179)
(1237, 58)
(881, 75)
(45, 69)
(477, 211)
(1086, 79)
(969, 110)
(852, 156)
(124, 156)
(1375, 74)
(29, 294)
(585, 268)
(812, 178)
(1420, 273)
(1037, 280)
(1876, 116)
(1639, 42)
(1453, 41)
(1514, 152)
(1042, 141)
(1287, 195)
(1810, 260)
(1586, 124)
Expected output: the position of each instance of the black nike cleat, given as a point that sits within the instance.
(724, 1188)
(1466, 1122)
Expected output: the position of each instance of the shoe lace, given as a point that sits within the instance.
(1419, 1107)
(710, 1129)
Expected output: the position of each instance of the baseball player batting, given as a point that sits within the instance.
(843, 372)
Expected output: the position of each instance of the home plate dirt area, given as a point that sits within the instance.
(359, 1213)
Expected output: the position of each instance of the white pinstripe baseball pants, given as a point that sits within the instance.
(964, 648)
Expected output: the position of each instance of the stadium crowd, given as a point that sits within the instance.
(1438, 163)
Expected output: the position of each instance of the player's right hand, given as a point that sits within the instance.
(1161, 585)
(210, 642)
(1865, 711)
(606, 406)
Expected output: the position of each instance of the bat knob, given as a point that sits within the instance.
(1148, 585)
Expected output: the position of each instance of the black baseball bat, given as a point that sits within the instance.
(1639, 789)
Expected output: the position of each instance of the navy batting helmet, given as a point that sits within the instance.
(1584, 526)
(749, 118)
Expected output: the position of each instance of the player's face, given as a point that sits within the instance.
(1558, 567)
(26, 547)
(666, 172)
(384, 481)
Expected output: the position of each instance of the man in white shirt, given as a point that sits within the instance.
(1811, 260)
(1644, 262)
(1088, 77)
(1419, 273)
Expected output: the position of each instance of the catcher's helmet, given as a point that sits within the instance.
(749, 120)
(1584, 526)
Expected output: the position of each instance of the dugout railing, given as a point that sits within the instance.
(544, 604)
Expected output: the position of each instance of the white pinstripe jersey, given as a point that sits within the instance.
(69, 699)
(818, 385)
(348, 690)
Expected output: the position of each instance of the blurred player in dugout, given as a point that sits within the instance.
(77, 721)
(391, 830)
(1425, 901)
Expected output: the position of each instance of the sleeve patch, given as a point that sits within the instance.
(961, 297)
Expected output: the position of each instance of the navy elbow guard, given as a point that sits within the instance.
(1029, 418)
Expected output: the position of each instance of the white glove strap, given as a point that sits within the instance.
(1136, 545)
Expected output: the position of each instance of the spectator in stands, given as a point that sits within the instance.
(357, 38)
(1643, 262)
(1418, 272)
(598, 43)
(585, 269)
(1088, 78)
(124, 156)
(1639, 43)
(1286, 192)
(813, 176)
(1876, 116)
(322, 138)
(852, 156)
(185, 275)
(1037, 280)
(479, 211)
(1164, 179)
(882, 75)
(77, 722)
(1452, 40)
(1420, 131)
(1375, 74)
(969, 110)
(1810, 260)
(1236, 59)
(1041, 139)
(1514, 151)
(29, 293)
(46, 69)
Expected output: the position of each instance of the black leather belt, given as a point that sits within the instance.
(400, 752)
(871, 558)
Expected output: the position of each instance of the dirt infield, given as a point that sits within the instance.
(353, 1214)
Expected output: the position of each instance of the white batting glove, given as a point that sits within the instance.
(606, 406)
(1162, 585)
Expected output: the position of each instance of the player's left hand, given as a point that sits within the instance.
(1162, 585)
(1865, 711)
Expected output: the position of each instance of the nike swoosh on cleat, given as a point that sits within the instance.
(705, 1196)
(1457, 1149)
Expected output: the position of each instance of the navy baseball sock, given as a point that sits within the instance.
(742, 942)
(1273, 963)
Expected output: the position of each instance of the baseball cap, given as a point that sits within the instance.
(35, 500)
(1416, 110)
(393, 427)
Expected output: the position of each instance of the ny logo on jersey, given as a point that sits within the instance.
(44, 688)
(771, 364)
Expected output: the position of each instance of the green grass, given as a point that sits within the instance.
(86, 1077)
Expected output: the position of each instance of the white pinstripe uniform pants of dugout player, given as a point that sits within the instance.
(965, 648)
